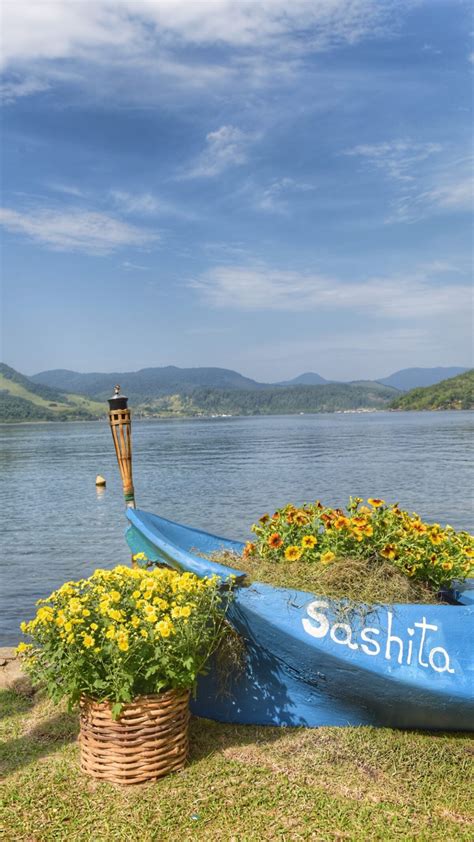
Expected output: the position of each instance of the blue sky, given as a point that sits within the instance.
(273, 187)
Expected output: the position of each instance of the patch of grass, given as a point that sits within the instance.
(357, 580)
(241, 783)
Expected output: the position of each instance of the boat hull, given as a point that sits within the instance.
(405, 666)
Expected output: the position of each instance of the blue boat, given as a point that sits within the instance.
(403, 666)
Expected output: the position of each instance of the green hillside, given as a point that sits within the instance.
(277, 401)
(454, 393)
(23, 400)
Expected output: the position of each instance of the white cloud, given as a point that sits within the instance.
(75, 230)
(226, 147)
(262, 288)
(53, 29)
(397, 159)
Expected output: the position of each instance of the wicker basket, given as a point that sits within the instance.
(147, 741)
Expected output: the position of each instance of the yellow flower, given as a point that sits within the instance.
(122, 641)
(165, 628)
(110, 633)
(186, 611)
(436, 537)
(340, 522)
(327, 557)
(22, 647)
(24, 627)
(86, 612)
(160, 603)
(94, 626)
(88, 641)
(115, 614)
(144, 633)
(68, 626)
(389, 551)
(74, 606)
(60, 619)
(139, 557)
(115, 596)
(70, 638)
(136, 594)
(135, 621)
(447, 565)
(375, 502)
(293, 553)
(309, 541)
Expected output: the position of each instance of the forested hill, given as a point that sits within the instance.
(454, 393)
(277, 401)
(23, 400)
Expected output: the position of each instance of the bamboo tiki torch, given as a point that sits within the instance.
(121, 425)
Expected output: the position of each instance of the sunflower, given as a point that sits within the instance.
(275, 541)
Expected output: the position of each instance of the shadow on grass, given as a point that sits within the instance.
(208, 737)
(41, 738)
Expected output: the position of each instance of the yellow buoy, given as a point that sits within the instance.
(100, 481)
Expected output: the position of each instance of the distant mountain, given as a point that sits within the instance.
(453, 393)
(412, 378)
(23, 400)
(309, 378)
(147, 383)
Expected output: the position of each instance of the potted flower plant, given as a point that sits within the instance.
(127, 644)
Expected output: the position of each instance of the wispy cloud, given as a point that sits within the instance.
(14, 88)
(67, 189)
(146, 204)
(454, 195)
(263, 288)
(226, 147)
(274, 197)
(75, 230)
(397, 159)
(429, 180)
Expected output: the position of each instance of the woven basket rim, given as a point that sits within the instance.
(137, 700)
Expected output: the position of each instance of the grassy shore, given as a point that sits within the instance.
(241, 783)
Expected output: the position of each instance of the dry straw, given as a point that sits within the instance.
(146, 742)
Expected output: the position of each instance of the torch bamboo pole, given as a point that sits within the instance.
(120, 419)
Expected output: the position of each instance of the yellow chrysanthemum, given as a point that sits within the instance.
(88, 641)
(165, 628)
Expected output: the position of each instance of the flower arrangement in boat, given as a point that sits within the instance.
(371, 531)
(124, 633)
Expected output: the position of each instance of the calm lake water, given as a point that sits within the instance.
(217, 474)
